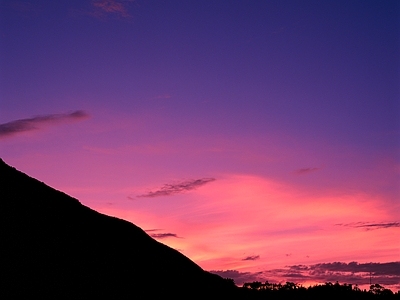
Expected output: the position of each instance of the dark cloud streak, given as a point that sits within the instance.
(23, 125)
(371, 226)
(176, 188)
(163, 235)
(151, 230)
(254, 257)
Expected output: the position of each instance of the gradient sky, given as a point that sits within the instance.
(259, 138)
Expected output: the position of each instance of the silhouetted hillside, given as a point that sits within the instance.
(54, 247)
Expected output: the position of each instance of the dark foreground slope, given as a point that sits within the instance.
(52, 246)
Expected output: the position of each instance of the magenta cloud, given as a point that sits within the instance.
(35, 123)
(351, 273)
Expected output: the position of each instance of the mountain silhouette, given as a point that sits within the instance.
(53, 247)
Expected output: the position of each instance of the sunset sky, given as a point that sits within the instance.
(259, 138)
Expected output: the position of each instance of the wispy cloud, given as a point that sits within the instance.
(304, 171)
(371, 226)
(163, 235)
(113, 7)
(22, 125)
(176, 188)
(152, 230)
(254, 257)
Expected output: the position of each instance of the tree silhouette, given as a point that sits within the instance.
(328, 290)
(377, 289)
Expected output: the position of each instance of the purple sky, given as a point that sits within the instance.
(270, 129)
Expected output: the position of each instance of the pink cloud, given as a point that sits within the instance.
(111, 7)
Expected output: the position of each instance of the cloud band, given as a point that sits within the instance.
(176, 188)
(22, 125)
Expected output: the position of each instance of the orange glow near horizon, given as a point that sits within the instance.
(240, 216)
(249, 222)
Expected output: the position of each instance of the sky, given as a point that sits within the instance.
(259, 138)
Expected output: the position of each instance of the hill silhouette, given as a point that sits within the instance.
(54, 247)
